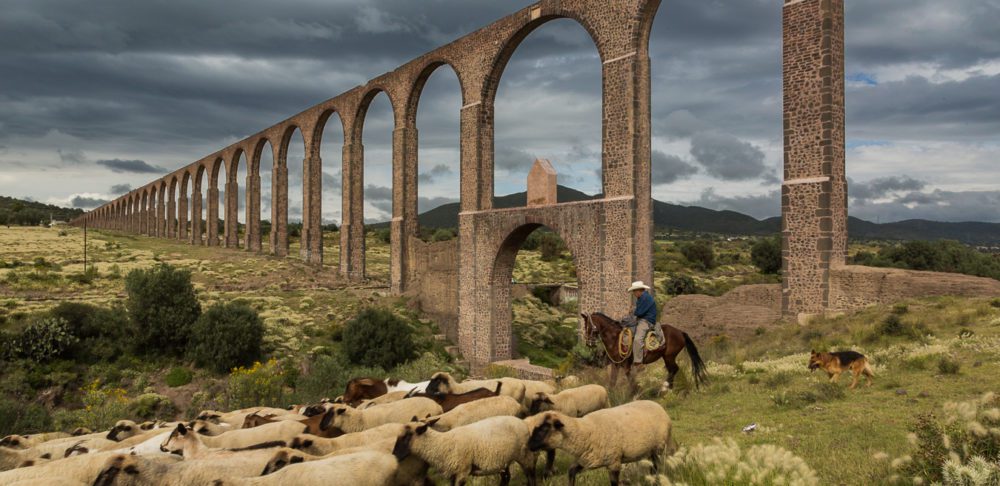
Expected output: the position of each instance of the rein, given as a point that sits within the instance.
(590, 322)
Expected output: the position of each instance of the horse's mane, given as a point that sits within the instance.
(606, 317)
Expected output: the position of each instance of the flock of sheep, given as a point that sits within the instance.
(380, 432)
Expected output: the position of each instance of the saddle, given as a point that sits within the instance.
(652, 341)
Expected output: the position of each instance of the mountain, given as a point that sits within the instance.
(668, 216)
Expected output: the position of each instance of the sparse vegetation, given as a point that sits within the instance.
(935, 256)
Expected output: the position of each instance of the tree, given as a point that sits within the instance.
(766, 255)
(681, 285)
(700, 253)
(551, 246)
(162, 306)
(226, 336)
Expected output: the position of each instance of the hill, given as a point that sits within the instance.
(668, 216)
(31, 213)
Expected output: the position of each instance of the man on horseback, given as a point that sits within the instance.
(645, 315)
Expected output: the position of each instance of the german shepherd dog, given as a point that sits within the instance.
(836, 363)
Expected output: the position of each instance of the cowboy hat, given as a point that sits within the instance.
(638, 285)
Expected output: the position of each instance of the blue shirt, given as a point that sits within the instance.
(645, 308)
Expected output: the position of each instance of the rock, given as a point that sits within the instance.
(900, 392)
(923, 394)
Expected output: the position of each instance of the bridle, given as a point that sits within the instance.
(592, 333)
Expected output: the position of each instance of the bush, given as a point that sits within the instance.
(443, 234)
(379, 338)
(551, 246)
(227, 336)
(701, 254)
(102, 407)
(43, 340)
(23, 418)
(162, 307)
(681, 285)
(261, 385)
(935, 256)
(725, 463)
(948, 366)
(178, 376)
(150, 406)
(766, 255)
(384, 235)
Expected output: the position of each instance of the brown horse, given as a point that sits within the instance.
(608, 330)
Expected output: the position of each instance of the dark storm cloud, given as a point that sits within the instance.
(727, 157)
(84, 202)
(513, 160)
(71, 157)
(332, 183)
(936, 205)
(119, 189)
(436, 172)
(668, 169)
(131, 166)
(880, 188)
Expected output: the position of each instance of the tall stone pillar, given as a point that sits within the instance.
(232, 232)
(212, 219)
(279, 210)
(814, 193)
(182, 217)
(404, 204)
(161, 215)
(352, 228)
(253, 242)
(312, 209)
(196, 210)
(476, 174)
(171, 232)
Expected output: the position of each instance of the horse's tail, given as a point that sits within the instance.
(697, 365)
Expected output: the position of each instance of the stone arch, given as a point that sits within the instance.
(282, 194)
(254, 234)
(161, 208)
(417, 87)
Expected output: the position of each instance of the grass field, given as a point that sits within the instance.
(925, 352)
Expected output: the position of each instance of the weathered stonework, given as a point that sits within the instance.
(542, 184)
(814, 194)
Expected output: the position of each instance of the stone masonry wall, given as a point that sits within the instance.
(854, 287)
(434, 282)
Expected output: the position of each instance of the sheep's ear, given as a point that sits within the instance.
(422, 429)
(558, 424)
(47, 455)
(414, 419)
(295, 459)
(181, 429)
(341, 411)
(307, 443)
(431, 422)
(131, 469)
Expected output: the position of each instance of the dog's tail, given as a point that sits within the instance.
(697, 365)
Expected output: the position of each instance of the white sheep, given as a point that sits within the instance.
(84, 468)
(411, 471)
(369, 468)
(533, 388)
(319, 446)
(205, 427)
(575, 402)
(475, 411)
(484, 448)
(130, 470)
(122, 430)
(443, 382)
(149, 445)
(393, 396)
(15, 458)
(236, 417)
(347, 419)
(183, 438)
(605, 438)
(59, 448)
(31, 440)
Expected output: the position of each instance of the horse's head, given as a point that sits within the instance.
(592, 327)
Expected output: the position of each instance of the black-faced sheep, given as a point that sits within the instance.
(31, 440)
(472, 412)
(411, 471)
(487, 447)
(605, 438)
(575, 402)
(84, 467)
(319, 446)
(347, 419)
(369, 468)
(190, 443)
(130, 470)
(443, 382)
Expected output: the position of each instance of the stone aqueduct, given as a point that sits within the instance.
(610, 238)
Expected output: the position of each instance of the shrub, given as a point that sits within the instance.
(726, 463)
(384, 235)
(766, 255)
(585, 355)
(162, 307)
(958, 445)
(379, 338)
(43, 340)
(701, 254)
(327, 376)
(948, 365)
(551, 246)
(23, 418)
(178, 376)
(263, 384)
(227, 336)
(995, 303)
(681, 285)
(149, 406)
(102, 407)
(442, 234)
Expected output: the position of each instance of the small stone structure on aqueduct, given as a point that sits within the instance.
(469, 280)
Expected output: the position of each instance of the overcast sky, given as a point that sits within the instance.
(98, 97)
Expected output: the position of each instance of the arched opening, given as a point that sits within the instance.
(438, 123)
(331, 149)
(172, 202)
(184, 208)
(536, 297)
(201, 235)
(240, 186)
(265, 169)
(293, 155)
(161, 209)
(377, 126)
(548, 105)
(219, 209)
